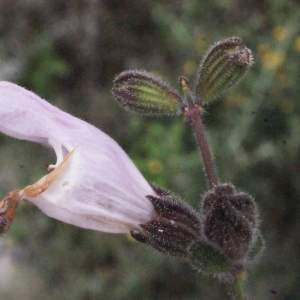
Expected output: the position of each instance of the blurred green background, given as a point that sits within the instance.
(69, 53)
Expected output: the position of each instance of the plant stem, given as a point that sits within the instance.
(194, 114)
(237, 287)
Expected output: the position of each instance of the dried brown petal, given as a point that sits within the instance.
(40, 186)
(8, 208)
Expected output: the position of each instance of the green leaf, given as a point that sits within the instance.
(141, 92)
(224, 65)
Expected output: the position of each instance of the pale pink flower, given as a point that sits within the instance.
(97, 186)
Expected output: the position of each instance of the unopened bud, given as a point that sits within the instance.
(141, 92)
(229, 220)
(172, 208)
(224, 65)
(169, 237)
(176, 227)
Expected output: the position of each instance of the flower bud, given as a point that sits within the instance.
(224, 65)
(229, 221)
(141, 92)
(172, 208)
(176, 227)
(168, 236)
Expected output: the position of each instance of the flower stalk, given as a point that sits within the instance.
(193, 113)
(208, 160)
(236, 287)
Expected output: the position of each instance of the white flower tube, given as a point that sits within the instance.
(94, 184)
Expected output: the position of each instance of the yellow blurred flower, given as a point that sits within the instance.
(297, 44)
(201, 42)
(154, 166)
(271, 59)
(274, 59)
(190, 68)
(280, 33)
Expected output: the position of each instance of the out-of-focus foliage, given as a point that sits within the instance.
(69, 52)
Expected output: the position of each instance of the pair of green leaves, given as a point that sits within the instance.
(224, 65)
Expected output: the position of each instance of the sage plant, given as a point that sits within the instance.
(224, 237)
(95, 185)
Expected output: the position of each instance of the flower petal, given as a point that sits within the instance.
(100, 188)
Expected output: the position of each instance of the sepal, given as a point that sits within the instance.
(229, 221)
(208, 259)
(169, 237)
(176, 227)
(172, 208)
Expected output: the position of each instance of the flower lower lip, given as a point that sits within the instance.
(37, 188)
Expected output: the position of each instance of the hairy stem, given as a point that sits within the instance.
(193, 112)
(237, 287)
(194, 115)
